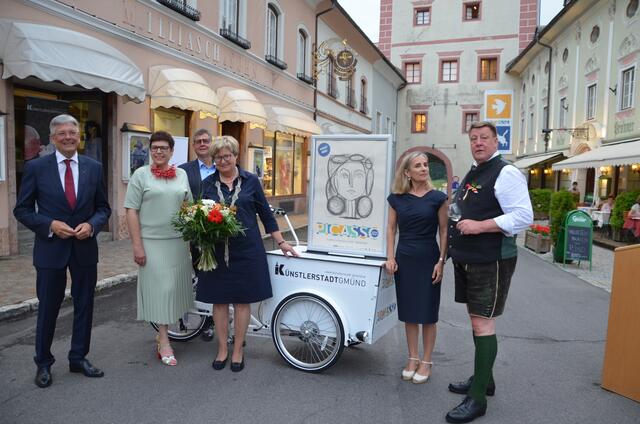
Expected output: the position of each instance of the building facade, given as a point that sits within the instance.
(577, 100)
(125, 69)
(452, 53)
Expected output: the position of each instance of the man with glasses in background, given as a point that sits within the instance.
(197, 170)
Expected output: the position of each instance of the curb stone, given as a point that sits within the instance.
(17, 309)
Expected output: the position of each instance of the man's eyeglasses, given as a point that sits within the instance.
(225, 158)
(71, 133)
(159, 148)
(202, 141)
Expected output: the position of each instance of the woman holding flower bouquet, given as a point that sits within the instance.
(154, 195)
(242, 275)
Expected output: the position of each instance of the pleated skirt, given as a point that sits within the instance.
(165, 291)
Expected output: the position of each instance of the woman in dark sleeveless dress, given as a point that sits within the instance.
(417, 211)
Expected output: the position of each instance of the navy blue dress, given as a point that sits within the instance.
(416, 255)
(246, 279)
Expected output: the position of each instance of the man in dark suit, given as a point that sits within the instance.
(197, 170)
(201, 167)
(71, 210)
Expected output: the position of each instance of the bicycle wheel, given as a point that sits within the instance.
(307, 332)
(190, 325)
(187, 327)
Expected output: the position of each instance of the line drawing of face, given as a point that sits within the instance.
(349, 185)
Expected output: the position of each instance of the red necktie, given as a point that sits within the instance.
(69, 187)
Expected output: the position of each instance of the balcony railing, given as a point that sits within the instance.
(306, 78)
(363, 105)
(235, 38)
(351, 98)
(275, 62)
(182, 8)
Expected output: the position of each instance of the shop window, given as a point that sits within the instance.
(449, 70)
(471, 11)
(174, 121)
(592, 95)
(628, 81)
(468, 119)
(488, 69)
(283, 162)
(419, 122)
(413, 72)
(422, 16)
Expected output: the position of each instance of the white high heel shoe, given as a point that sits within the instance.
(408, 375)
(419, 378)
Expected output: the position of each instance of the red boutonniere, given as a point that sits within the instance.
(167, 174)
(473, 187)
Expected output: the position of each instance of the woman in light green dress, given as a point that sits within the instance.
(154, 195)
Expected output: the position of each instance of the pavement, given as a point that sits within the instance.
(549, 368)
(116, 266)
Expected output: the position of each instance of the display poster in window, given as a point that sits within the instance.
(350, 180)
(498, 109)
(37, 117)
(135, 147)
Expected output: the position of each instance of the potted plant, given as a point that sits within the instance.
(624, 201)
(537, 238)
(540, 200)
(561, 203)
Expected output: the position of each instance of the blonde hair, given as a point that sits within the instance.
(224, 141)
(402, 184)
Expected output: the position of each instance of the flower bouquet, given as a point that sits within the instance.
(205, 223)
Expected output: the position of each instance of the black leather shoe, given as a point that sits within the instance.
(43, 377)
(237, 366)
(85, 368)
(462, 387)
(218, 365)
(466, 412)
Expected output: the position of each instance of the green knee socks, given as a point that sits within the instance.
(485, 356)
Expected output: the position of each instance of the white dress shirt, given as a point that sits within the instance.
(512, 194)
(62, 169)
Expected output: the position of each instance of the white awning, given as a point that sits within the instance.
(529, 161)
(239, 105)
(618, 154)
(290, 121)
(181, 88)
(58, 54)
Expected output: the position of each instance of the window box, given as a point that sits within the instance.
(235, 38)
(275, 62)
(306, 78)
(537, 242)
(182, 8)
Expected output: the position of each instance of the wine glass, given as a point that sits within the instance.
(454, 212)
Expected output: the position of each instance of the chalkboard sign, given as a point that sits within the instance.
(578, 237)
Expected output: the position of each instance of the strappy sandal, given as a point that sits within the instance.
(169, 360)
(419, 378)
(408, 375)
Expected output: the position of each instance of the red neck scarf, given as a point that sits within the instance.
(167, 174)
